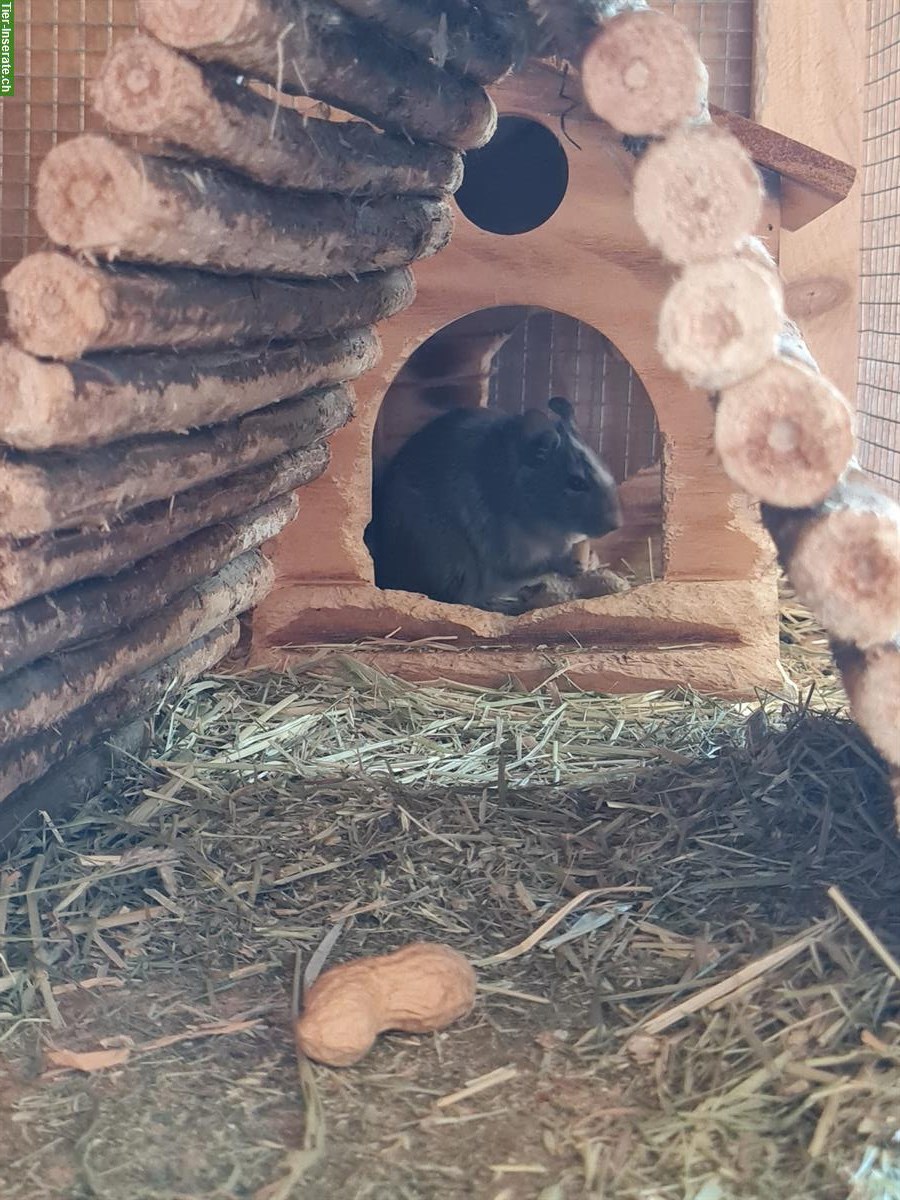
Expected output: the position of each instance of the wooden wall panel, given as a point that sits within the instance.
(810, 70)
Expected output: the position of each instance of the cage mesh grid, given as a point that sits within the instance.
(60, 45)
(879, 344)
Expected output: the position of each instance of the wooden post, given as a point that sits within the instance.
(643, 74)
(90, 402)
(785, 435)
(28, 760)
(147, 89)
(313, 48)
(37, 697)
(697, 195)
(65, 786)
(84, 612)
(40, 492)
(55, 560)
(62, 307)
(843, 561)
(872, 681)
(452, 33)
(94, 195)
(720, 322)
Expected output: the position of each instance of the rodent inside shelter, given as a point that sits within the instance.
(564, 300)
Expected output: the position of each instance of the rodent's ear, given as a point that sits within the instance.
(539, 436)
(563, 409)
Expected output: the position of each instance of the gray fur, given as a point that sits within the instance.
(479, 504)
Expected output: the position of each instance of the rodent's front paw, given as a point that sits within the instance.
(601, 582)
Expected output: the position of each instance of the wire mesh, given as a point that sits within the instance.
(60, 45)
(724, 32)
(879, 345)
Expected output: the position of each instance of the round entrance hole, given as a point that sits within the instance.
(517, 181)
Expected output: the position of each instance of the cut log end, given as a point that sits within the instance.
(872, 681)
(192, 24)
(720, 322)
(88, 192)
(845, 568)
(697, 195)
(141, 82)
(60, 307)
(28, 385)
(642, 73)
(98, 196)
(785, 435)
(55, 305)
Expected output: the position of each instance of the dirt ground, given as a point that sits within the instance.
(163, 924)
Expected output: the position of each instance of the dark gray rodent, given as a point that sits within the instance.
(479, 504)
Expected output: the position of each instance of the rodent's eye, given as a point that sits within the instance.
(577, 483)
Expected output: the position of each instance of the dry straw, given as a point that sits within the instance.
(643, 880)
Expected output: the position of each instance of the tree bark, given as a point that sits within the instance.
(44, 564)
(40, 492)
(63, 789)
(96, 196)
(642, 73)
(86, 611)
(785, 435)
(843, 561)
(61, 307)
(91, 402)
(28, 760)
(147, 89)
(697, 195)
(38, 696)
(451, 33)
(721, 322)
(872, 682)
(313, 48)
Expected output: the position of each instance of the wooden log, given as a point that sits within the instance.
(93, 401)
(61, 307)
(96, 196)
(312, 48)
(38, 696)
(697, 195)
(642, 73)
(843, 560)
(785, 436)
(40, 492)
(86, 611)
(138, 696)
(721, 322)
(559, 29)
(872, 682)
(149, 90)
(64, 788)
(55, 560)
(451, 33)
(515, 24)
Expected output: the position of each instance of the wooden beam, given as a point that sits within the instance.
(811, 182)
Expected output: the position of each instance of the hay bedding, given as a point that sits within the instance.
(613, 864)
